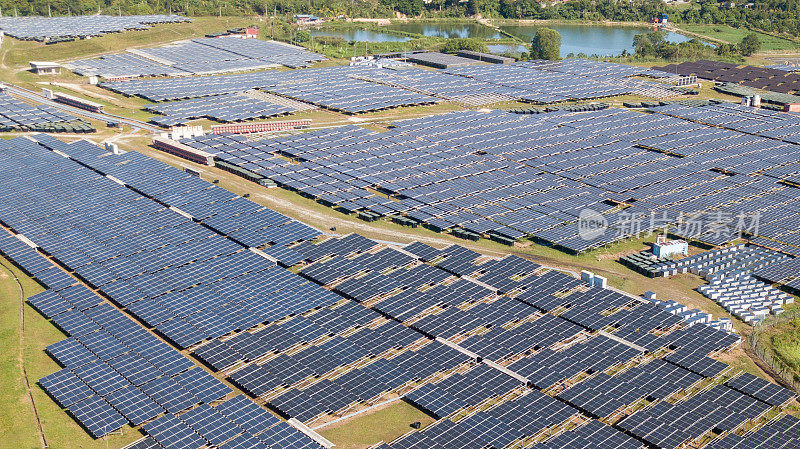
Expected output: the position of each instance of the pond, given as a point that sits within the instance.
(360, 35)
(591, 39)
(588, 39)
(448, 30)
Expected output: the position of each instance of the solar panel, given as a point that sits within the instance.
(202, 385)
(210, 424)
(97, 416)
(171, 433)
(169, 394)
(247, 415)
(65, 387)
(134, 405)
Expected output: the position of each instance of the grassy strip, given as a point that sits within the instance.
(383, 425)
(18, 428)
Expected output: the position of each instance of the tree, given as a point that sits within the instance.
(649, 44)
(750, 44)
(546, 44)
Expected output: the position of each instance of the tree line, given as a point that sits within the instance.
(767, 15)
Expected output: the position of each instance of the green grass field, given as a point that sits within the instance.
(735, 35)
(383, 425)
(785, 342)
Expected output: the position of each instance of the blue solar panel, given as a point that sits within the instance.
(210, 424)
(100, 377)
(134, 405)
(65, 387)
(171, 433)
(70, 353)
(97, 416)
(247, 414)
(202, 385)
(167, 393)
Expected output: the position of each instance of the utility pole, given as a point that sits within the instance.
(272, 21)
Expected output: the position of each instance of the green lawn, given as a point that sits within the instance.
(383, 425)
(732, 35)
(18, 429)
(785, 342)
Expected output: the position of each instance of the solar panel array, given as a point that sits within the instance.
(201, 56)
(779, 126)
(774, 80)
(116, 372)
(570, 79)
(337, 88)
(41, 28)
(18, 115)
(532, 175)
(222, 108)
(786, 273)
(357, 89)
(775, 434)
(671, 425)
(360, 322)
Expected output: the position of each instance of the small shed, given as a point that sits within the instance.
(45, 68)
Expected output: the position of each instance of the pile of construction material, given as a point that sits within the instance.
(730, 281)
(729, 260)
(690, 316)
(746, 297)
(646, 263)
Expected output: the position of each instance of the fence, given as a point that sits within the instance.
(763, 348)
